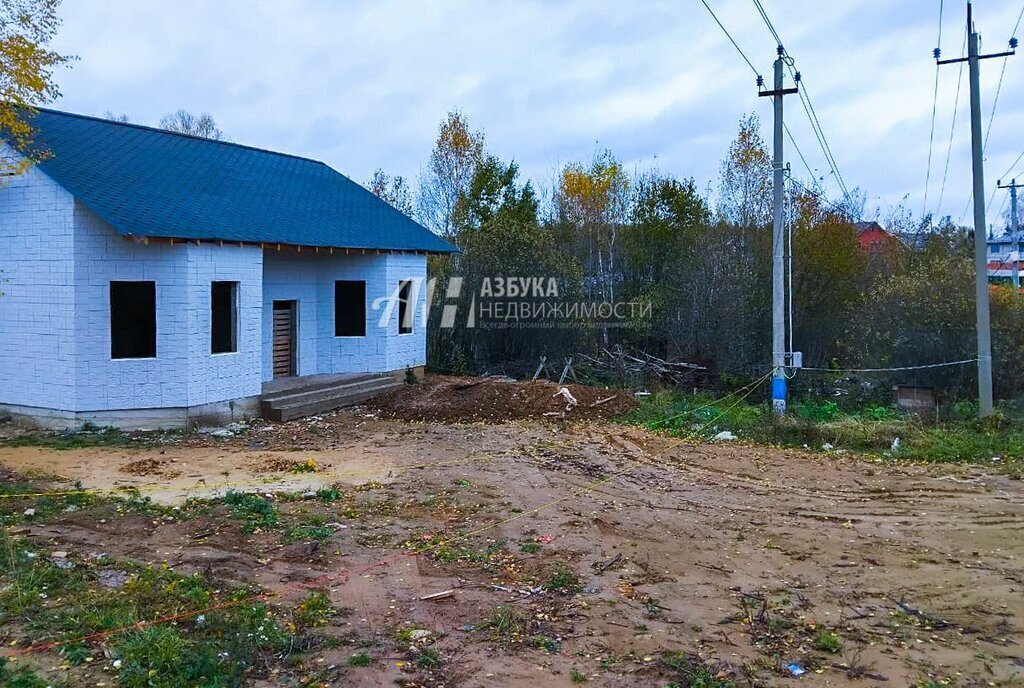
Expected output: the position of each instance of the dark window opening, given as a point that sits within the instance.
(349, 308)
(223, 317)
(405, 310)
(133, 319)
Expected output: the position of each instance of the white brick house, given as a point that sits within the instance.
(150, 278)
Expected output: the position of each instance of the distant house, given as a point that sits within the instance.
(1003, 255)
(874, 240)
(152, 278)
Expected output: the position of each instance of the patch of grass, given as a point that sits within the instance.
(546, 643)
(868, 429)
(530, 547)
(507, 623)
(578, 676)
(211, 648)
(314, 611)
(563, 580)
(691, 672)
(828, 641)
(360, 660)
(318, 533)
(328, 494)
(255, 512)
(22, 677)
(307, 466)
(87, 436)
(429, 658)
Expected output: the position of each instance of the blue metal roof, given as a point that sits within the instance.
(150, 182)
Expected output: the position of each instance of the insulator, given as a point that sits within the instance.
(796, 77)
(1013, 43)
(760, 81)
(937, 53)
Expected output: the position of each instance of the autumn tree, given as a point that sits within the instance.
(592, 203)
(201, 125)
(745, 180)
(395, 190)
(457, 152)
(27, 64)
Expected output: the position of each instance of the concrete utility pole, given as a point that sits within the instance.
(983, 324)
(778, 241)
(1014, 234)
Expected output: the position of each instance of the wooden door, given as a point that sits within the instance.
(284, 338)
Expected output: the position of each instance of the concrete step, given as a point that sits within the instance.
(322, 391)
(300, 406)
(302, 386)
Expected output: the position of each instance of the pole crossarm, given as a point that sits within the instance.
(778, 92)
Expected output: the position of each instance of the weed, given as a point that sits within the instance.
(360, 660)
(255, 512)
(828, 641)
(314, 611)
(307, 466)
(563, 580)
(317, 533)
(578, 676)
(691, 672)
(546, 643)
(328, 494)
(463, 483)
(529, 547)
(429, 658)
(507, 623)
(22, 677)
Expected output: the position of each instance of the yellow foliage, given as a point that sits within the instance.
(26, 71)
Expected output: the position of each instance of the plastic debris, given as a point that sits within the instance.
(724, 436)
(795, 669)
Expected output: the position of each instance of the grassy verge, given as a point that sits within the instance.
(76, 605)
(871, 430)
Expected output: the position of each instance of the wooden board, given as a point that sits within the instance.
(284, 339)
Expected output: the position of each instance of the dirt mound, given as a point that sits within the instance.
(443, 398)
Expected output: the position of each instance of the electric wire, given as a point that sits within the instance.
(935, 108)
(731, 40)
(805, 101)
(952, 129)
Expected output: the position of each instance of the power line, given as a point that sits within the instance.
(1012, 166)
(999, 89)
(952, 130)
(731, 40)
(798, 151)
(805, 101)
(935, 107)
(768, 22)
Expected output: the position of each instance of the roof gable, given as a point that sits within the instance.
(150, 182)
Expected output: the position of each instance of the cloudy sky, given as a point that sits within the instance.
(363, 85)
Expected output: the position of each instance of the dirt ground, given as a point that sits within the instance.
(739, 555)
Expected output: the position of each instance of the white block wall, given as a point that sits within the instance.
(309, 278)
(37, 314)
(184, 372)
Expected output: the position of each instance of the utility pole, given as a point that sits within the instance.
(778, 239)
(1014, 234)
(982, 316)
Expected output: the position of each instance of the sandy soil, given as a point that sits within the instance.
(737, 554)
